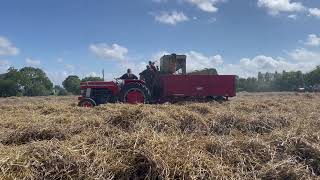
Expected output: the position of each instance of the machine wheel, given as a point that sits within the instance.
(210, 99)
(88, 103)
(135, 93)
(220, 98)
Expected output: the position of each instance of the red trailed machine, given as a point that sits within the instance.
(170, 84)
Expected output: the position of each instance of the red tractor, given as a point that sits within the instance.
(170, 84)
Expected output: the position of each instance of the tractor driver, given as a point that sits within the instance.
(128, 75)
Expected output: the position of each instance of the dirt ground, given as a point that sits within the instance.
(252, 136)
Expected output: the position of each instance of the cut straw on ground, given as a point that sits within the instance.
(250, 137)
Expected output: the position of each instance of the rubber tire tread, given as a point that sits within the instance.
(88, 99)
(139, 86)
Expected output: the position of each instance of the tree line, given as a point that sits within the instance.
(284, 81)
(30, 81)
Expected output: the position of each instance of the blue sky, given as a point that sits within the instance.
(81, 37)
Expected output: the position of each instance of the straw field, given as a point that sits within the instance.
(260, 136)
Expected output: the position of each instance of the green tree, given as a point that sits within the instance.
(268, 77)
(260, 77)
(60, 91)
(285, 81)
(72, 84)
(34, 82)
(9, 83)
(313, 77)
(86, 79)
(8, 88)
(13, 74)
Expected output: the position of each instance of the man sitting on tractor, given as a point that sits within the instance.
(128, 75)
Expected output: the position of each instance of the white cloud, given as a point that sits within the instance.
(135, 67)
(250, 67)
(205, 5)
(57, 77)
(198, 61)
(313, 40)
(6, 48)
(158, 55)
(263, 63)
(292, 16)
(93, 74)
(314, 12)
(33, 62)
(298, 59)
(275, 7)
(304, 55)
(4, 66)
(171, 18)
(113, 52)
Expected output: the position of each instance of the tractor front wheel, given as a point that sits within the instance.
(135, 93)
(88, 103)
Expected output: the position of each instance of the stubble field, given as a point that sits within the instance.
(253, 136)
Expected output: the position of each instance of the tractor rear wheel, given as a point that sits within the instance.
(135, 93)
(88, 103)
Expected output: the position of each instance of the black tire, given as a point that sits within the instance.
(87, 101)
(220, 99)
(135, 86)
(210, 99)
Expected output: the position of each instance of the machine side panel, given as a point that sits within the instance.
(198, 85)
(100, 85)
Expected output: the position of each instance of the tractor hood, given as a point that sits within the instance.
(97, 83)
